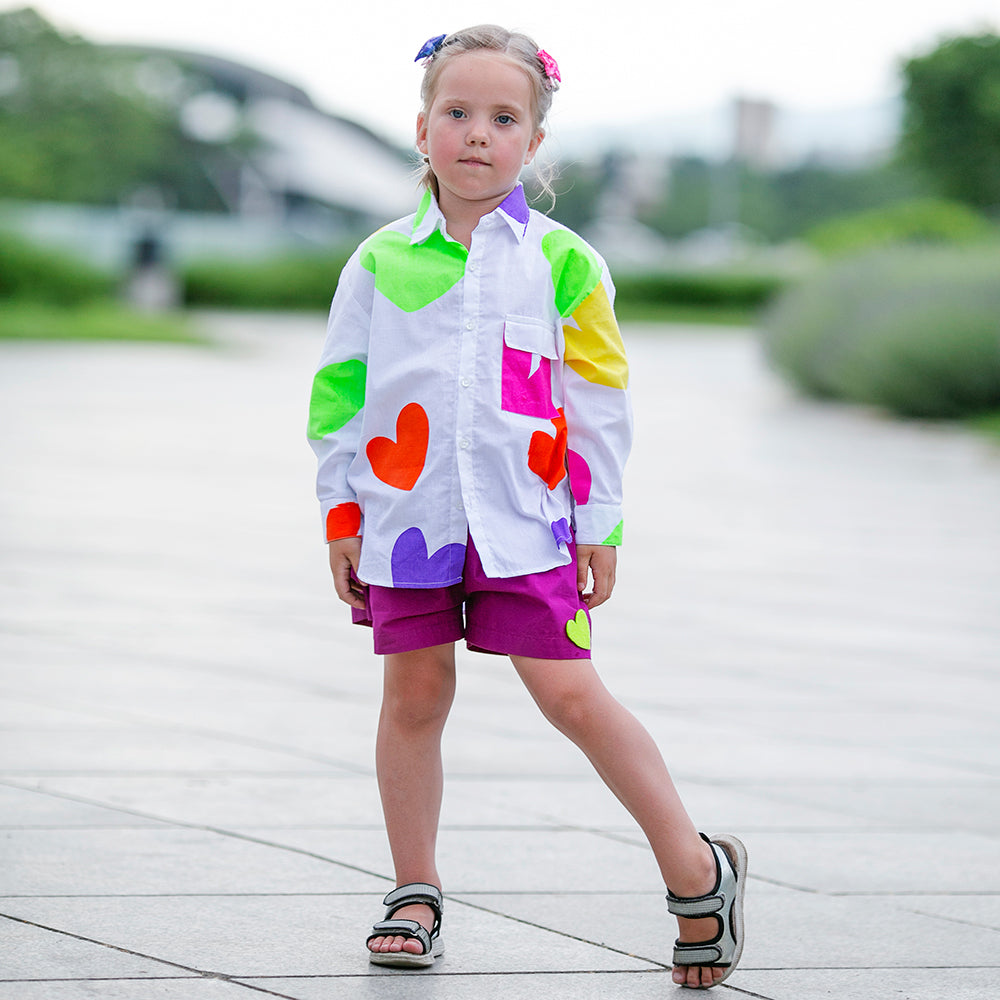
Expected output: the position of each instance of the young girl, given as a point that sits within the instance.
(471, 420)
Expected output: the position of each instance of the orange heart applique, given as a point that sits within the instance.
(400, 462)
(343, 521)
(547, 455)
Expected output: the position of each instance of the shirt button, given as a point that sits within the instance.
(470, 324)
(466, 381)
(463, 443)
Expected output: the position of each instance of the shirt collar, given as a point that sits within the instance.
(513, 210)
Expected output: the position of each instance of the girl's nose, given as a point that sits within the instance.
(477, 135)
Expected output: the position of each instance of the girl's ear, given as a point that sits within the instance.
(533, 146)
(422, 132)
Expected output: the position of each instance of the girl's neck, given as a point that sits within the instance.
(461, 218)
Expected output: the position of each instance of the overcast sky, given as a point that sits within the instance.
(621, 61)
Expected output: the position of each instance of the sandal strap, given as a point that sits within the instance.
(415, 892)
(412, 894)
(712, 902)
(724, 902)
(410, 929)
(698, 954)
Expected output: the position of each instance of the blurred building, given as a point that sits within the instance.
(279, 172)
(307, 168)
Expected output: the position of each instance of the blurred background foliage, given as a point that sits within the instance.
(79, 124)
(873, 281)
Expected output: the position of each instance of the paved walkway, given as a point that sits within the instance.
(807, 619)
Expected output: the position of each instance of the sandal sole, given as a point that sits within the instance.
(738, 855)
(405, 960)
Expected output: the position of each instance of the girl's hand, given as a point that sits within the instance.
(345, 554)
(600, 561)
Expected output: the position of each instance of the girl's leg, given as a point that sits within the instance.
(417, 694)
(573, 698)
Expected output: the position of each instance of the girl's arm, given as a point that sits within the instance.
(598, 561)
(345, 554)
(337, 403)
(598, 416)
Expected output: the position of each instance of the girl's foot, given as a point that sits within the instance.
(424, 916)
(691, 931)
(711, 921)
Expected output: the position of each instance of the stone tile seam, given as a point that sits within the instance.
(203, 828)
(146, 722)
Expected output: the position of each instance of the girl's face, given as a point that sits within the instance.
(478, 132)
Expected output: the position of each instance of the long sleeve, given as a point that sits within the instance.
(336, 406)
(595, 389)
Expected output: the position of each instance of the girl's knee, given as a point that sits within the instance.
(572, 700)
(419, 687)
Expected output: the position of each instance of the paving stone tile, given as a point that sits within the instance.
(263, 801)
(784, 929)
(879, 861)
(252, 936)
(144, 750)
(983, 909)
(26, 808)
(157, 861)
(966, 805)
(828, 576)
(439, 985)
(187, 988)
(32, 952)
(586, 802)
(862, 984)
(554, 860)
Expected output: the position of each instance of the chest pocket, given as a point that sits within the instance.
(529, 348)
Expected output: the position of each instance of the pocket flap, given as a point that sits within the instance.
(534, 336)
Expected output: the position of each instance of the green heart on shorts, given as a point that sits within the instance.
(578, 630)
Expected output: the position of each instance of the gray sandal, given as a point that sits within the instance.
(408, 895)
(724, 902)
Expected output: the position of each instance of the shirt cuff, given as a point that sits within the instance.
(598, 524)
(341, 519)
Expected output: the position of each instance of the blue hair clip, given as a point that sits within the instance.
(430, 47)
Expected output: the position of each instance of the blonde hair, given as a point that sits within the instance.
(520, 49)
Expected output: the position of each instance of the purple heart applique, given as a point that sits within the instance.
(412, 567)
(561, 532)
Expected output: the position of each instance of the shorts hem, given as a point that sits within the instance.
(413, 639)
(557, 647)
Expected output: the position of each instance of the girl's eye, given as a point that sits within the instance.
(505, 119)
(457, 113)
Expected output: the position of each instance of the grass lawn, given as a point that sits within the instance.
(656, 312)
(93, 321)
(987, 423)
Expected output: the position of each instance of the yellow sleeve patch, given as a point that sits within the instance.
(594, 348)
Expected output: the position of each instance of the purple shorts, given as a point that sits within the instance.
(539, 615)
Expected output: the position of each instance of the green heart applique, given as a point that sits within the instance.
(338, 394)
(578, 630)
(413, 276)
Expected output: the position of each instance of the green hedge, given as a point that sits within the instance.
(308, 282)
(920, 220)
(99, 320)
(303, 281)
(697, 288)
(31, 273)
(915, 330)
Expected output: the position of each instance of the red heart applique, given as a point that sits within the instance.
(547, 455)
(343, 521)
(400, 462)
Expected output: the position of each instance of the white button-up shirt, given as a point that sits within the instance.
(478, 392)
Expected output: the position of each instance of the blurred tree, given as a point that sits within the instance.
(951, 124)
(779, 205)
(75, 126)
